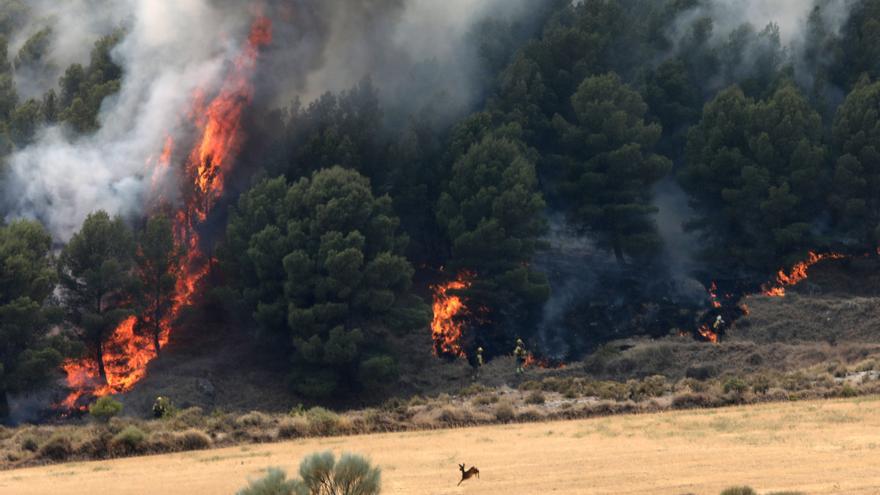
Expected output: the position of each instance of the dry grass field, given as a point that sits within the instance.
(812, 447)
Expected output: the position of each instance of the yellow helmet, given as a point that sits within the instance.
(479, 349)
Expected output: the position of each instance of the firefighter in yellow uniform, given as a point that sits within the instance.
(520, 354)
(479, 363)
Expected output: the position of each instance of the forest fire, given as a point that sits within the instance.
(797, 273)
(533, 361)
(446, 327)
(127, 352)
(708, 334)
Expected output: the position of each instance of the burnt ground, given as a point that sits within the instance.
(831, 318)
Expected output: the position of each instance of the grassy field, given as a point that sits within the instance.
(813, 447)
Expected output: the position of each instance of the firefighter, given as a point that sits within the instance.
(520, 354)
(719, 322)
(479, 363)
(161, 407)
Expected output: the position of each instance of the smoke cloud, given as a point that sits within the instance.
(171, 48)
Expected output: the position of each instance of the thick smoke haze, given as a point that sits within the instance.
(171, 48)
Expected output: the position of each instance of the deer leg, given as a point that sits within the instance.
(459, 483)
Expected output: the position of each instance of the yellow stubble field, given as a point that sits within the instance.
(812, 447)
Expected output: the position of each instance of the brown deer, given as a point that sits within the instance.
(470, 473)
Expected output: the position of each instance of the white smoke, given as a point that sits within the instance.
(170, 49)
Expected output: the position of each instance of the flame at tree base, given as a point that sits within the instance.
(446, 327)
(797, 273)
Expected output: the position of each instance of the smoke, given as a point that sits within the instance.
(171, 48)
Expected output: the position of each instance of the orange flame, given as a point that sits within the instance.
(127, 352)
(534, 361)
(713, 295)
(708, 334)
(446, 328)
(797, 273)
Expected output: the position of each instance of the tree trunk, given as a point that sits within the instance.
(156, 332)
(4, 408)
(99, 357)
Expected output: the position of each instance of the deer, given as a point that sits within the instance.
(470, 473)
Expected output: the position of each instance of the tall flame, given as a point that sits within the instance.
(446, 327)
(797, 273)
(127, 352)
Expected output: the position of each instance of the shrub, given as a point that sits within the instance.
(29, 443)
(253, 418)
(131, 439)
(484, 400)
(57, 448)
(105, 408)
(736, 386)
(530, 385)
(323, 421)
(848, 391)
(193, 440)
(351, 475)
(504, 412)
(760, 384)
(379, 371)
(535, 397)
(473, 389)
(701, 372)
(293, 427)
(739, 490)
(274, 483)
(687, 400)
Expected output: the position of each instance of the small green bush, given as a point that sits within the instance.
(848, 391)
(735, 385)
(739, 490)
(130, 439)
(105, 408)
(274, 483)
(57, 448)
(535, 397)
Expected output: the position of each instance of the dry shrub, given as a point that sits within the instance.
(535, 397)
(530, 414)
(253, 418)
(29, 443)
(57, 448)
(739, 490)
(161, 441)
(128, 441)
(193, 440)
(323, 422)
(530, 385)
(504, 412)
(190, 417)
(293, 427)
(688, 400)
(484, 399)
(451, 416)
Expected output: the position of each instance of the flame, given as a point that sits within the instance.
(446, 328)
(127, 352)
(797, 273)
(713, 295)
(708, 334)
(532, 360)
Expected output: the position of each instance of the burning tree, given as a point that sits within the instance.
(158, 259)
(96, 276)
(492, 212)
(320, 265)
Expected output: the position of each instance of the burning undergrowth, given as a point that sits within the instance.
(218, 135)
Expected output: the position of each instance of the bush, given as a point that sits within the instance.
(323, 421)
(274, 483)
(253, 418)
(293, 427)
(739, 490)
(193, 440)
(30, 444)
(57, 448)
(379, 371)
(504, 412)
(105, 408)
(129, 440)
(352, 475)
(535, 397)
(848, 391)
(760, 384)
(484, 400)
(736, 386)
(687, 400)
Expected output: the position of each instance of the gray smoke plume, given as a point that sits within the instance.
(170, 48)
